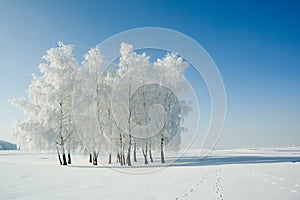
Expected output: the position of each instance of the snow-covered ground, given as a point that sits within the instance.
(225, 174)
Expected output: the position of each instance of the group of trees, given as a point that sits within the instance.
(117, 108)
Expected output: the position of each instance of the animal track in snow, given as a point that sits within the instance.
(198, 184)
(279, 182)
(217, 185)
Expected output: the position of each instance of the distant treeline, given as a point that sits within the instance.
(7, 145)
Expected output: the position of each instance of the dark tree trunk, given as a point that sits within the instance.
(64, 159)
(145, 155)
(91, 158)
(61, 142)
(59, 158)
(109, 158)
(128, 159)
(123, 158)
(95, 158)
(119, 159)
(129, 130)
(146, 161)
(129, 152)
(134, 153)
(162, 157)
(95, 161)
(150, 152)
(69, 158)
(123, 154)
(58, 155)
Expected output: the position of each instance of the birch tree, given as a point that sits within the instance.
(87, 101)
(49, 103)
(172, 69)
(129, 60)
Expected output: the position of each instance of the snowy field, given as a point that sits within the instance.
(225, 174)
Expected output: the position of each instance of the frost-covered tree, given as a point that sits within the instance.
(147, 96)
(30, 132)
(129, 61)
(173, 68)
(49, 103)
(59, 72)
(142, 86)
(110, 130)
(87, 102)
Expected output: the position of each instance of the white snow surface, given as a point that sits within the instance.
(236, 174)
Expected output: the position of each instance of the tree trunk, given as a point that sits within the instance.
(162, 157)
(128, 159)
(64, 156)
(150, 151)
(129, 152)
(91, 158)
(123, 154)
(95, 158)
(145, 154)
(123, 158)
(58, 155)
(64, 159)
(146, 160)
(69, 158)
(118, 157)
(60, 135)
(95, 161)
(109, 158)
(129, 130)
(59, 159)
(134, 153)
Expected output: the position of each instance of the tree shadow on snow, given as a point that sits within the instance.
(192, 161)
(196, 161)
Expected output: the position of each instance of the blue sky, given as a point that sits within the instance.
(255, 44)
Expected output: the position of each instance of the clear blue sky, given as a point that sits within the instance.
(255, 44)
